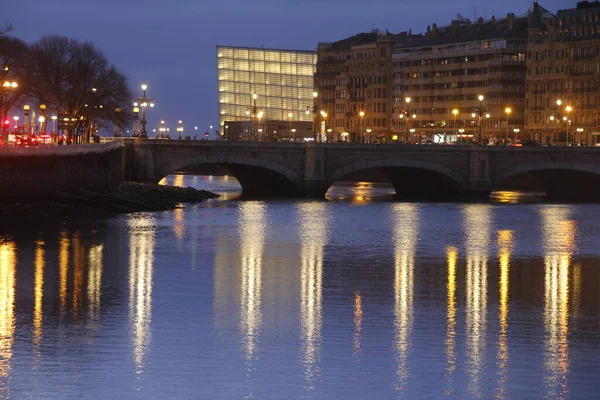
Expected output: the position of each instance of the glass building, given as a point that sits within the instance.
(281, 79)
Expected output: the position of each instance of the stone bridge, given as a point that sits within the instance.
(427, 172)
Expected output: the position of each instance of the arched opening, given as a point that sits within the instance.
(554, 181)
(255, 181)
(410, 180)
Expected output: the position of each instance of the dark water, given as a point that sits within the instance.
(345, 299)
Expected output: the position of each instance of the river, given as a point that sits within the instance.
(356, 297)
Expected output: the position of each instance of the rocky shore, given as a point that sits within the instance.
(80, 205)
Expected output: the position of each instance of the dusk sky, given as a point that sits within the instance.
(171, 44)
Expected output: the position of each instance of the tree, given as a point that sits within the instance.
(76, 80)
(13, 56)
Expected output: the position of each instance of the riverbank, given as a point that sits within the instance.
(67, 207)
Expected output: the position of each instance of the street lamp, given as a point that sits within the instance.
(41, 120)
(136, 116)
(579, 132)
(253, 111)
(180, 128)
(455, 113)
(369, 132)
(16, 123)
(507, 110)
(26, 109)
(162, 128)
(480, 113)
(144, 103)
(226, 136)
(516, 131)
(362, 125)
(290, 115)
(568, 109)
(54, 118)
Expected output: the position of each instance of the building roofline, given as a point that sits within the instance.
(267, 49)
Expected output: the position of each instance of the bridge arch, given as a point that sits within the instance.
(560, 180)
(427, 180)
(258, 177)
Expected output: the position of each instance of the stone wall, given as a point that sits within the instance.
(37, 173)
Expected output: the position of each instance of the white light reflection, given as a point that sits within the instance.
(406, 229)
(142, 231)
(559, 243)
(313, 238)
(505, 244)
(252, 230)
(94, 282)
(358, 314)
(8, 261)
(452, 258)
(477, 223)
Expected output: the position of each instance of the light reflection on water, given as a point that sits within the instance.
(405, 219)
(8, 262)
(141, 270)
(302, 299)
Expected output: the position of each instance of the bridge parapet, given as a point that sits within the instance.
(309, 169)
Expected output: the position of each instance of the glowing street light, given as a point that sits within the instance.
(362, 126)
(144, 102)
(507, 110)
(54, 118)
(568, 109)
(455, 113)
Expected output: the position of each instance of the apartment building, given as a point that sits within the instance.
(462, 82)
(563, 74)
(353, 82)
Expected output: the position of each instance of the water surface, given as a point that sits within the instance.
(358, 297)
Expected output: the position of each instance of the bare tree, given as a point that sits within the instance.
(13, 56)
(7, 27)
(75, 79)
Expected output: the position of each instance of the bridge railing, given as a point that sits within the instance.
(72, 150)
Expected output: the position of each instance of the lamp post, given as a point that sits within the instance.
(136, 116)
(26, 109)
(290, 115)
(568, 109)
(324, 123)
(253, 111)
(144, 102)
(369, 134)
(43, 114)
(507, 110)
(162, 129)
(406, 113)
(226, 135)
(54, 118)
(16, 119)
(42, 128)
(361, 114)
(480, 113)
(314, 112)
(180, 128)
(329, 135)
(516, 131)
(579, 132)
(455, 113)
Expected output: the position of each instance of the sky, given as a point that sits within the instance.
(172, 44)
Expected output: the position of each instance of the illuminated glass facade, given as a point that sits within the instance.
(281, 79)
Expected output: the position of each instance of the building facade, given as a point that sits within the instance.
(265, 88)
(563, 74)
(463, 82)
(354, 86)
